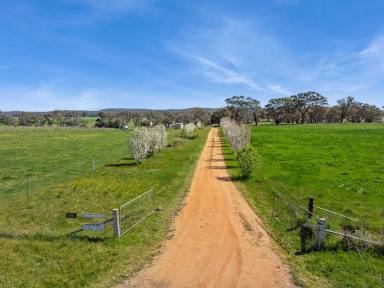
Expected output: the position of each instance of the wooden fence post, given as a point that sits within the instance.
(320, 233)
(310, 207)
(116, 222)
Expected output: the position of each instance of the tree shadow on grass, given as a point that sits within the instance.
(230, 178)
(215, 160)
(127, 158)
(223, 167)
(122, 164)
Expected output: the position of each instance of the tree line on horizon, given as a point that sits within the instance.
(307, 107)
(105, 119)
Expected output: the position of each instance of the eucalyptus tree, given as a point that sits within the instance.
(237, 105)
(217, 115)
(307, 100)
(363, 111)
(345, 105)
(276, 109)
(254, 107)
(242, 107)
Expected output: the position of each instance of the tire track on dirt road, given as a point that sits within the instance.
(218, 241)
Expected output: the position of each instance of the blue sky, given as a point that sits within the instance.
(92, 54)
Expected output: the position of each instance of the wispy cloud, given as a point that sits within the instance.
(375, 48)
(218, 73)
(234, 51)
(279, 89)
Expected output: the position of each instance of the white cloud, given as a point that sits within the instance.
(217, 73)
(279, 89)
(375, 48)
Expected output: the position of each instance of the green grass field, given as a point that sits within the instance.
(91, 121)
(342, 167)
(34, 152)
(35, 248)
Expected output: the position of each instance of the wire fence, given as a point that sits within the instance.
(319, 227)
(32, 184)
(136, 210)
(123, 219)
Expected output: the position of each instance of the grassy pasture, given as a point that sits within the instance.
(33, 152)
(90, 121)
(35, 249)
(342, 166)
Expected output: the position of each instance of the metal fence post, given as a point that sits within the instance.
(273, 204)
(116, 222)
(320, 233)
(310, 207)
(93, 164)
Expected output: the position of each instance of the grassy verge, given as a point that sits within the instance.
(341, 166)
(35, 249)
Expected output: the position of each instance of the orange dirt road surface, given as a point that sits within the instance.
(218, 241)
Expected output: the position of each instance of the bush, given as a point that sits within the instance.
(8, 120)
(247, 160)
(145, 141)
(188, 130)
(177, 142)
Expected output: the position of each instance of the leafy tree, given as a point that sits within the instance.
(218, 115)
(8, 120)
(237, 105)
(254, 107)
(333, 115)
(199, 114)
(307, 100)
(344, 105)
(276, 109)
(26, 119)
(317, 114)
(363, 111)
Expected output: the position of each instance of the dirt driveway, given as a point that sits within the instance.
(218, 241)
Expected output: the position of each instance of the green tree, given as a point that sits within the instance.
(254, 107)
(276, 109)
(344, 105)
(218, 115)
(307, 100)
(237, 105)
